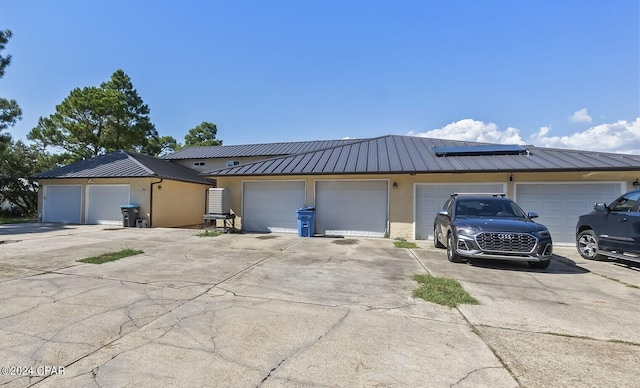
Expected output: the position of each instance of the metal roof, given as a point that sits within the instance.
(410, 154)
(266, 149)
(125, 164)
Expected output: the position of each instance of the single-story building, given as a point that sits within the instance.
(92, 191)
(390, 186)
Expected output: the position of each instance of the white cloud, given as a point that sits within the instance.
(473, 130)
(620, 137)
(580, 116)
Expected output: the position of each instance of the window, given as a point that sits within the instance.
(197, 164)
(625, 203)
(231, 163)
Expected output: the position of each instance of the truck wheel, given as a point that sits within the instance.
(451, 251)
(587, 245)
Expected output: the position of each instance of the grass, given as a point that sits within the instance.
(443, 291)
(209, 233)
(16, 220)
(113, 256)
(403, 243)
(617, 280)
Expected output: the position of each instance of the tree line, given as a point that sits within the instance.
(90, 121)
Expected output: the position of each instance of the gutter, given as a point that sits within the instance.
(151, 201)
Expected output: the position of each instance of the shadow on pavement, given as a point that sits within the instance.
(29, 227)
(559, 265)
(620, 263)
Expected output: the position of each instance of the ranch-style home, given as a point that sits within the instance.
(389, 186)
(92, 191)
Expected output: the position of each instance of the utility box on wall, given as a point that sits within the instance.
(219, 201)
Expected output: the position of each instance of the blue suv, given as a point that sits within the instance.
(491, 226)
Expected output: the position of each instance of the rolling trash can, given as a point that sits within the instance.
(129, 215)
(306, 221)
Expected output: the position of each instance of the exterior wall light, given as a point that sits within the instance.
(636, 184)
(395, 185)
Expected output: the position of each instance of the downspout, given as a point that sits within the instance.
(151, 201)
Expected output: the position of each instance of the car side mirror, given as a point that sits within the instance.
(443, 213)
(532, 215)
(600, 206)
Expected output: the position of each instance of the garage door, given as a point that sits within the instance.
(560, 205)
(62, 204)
(352, 208)
(429, 199)
(271, 206)
(103, 204)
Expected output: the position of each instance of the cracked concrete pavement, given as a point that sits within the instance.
(275, 310)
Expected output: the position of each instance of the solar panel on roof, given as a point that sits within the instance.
(485, 149)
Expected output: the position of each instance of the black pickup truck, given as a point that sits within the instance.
(611, 231)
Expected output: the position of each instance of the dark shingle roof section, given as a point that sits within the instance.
(410, 154)
(125, 164)
(248, 150)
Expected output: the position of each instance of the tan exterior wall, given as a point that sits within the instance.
(401, 200)
(176, 204)
(181, 204)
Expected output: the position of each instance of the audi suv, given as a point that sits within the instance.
(491, 226)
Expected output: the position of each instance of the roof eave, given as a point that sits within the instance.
(467, 171)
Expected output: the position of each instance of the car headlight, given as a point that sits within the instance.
(466, 230)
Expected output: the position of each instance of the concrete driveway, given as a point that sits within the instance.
(273, 310)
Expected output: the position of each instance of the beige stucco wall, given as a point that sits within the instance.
(401, 211)
(178, 203)
(175, 204)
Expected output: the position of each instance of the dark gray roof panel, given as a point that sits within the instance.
(124, 164)
(248, 150)
(409, 154)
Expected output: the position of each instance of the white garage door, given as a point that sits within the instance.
(103, 204)
(62, 204)
(560, 205)
(352, 208)
(429, 199)
(271, 206)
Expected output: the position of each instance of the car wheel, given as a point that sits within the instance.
(451, 251)
(587, 244)
(539, 264)
(436, 240)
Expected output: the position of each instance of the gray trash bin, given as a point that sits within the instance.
(129, 215)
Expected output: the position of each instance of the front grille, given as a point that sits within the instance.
(506, 242)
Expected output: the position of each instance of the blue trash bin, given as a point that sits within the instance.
(306, 221)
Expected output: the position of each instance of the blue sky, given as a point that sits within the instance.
(550, 73)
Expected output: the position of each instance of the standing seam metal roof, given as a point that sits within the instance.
(125, 164)
(410, 154)
(248, 150)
